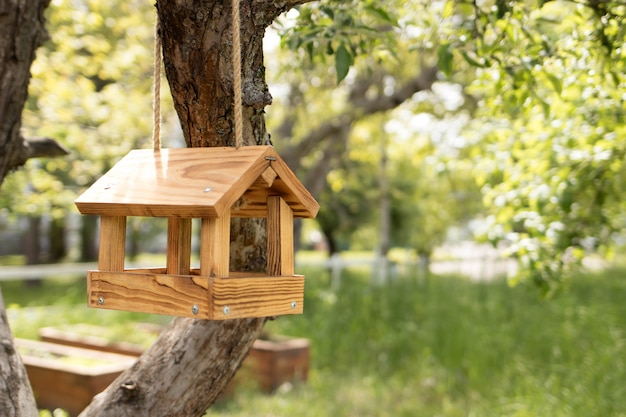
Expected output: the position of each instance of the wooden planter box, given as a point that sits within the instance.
(269, 364)
(275, 362)
(95, 337)
(68, 377)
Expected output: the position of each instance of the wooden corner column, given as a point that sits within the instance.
(279, 237)
(112, 247)
(215, 246)
(178, 246)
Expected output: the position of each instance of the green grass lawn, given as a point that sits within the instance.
(447, 347)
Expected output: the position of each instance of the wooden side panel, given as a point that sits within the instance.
(178, 246)
(279, 237)
(218, 298)
(215, 246)
(253, 203)
(150, 293)
(112, 243)
(257, 296)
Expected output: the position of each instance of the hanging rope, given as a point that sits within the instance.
(156, 85)
(236, 22)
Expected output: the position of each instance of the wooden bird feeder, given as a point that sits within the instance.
(213, 184)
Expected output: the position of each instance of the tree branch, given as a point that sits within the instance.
(189, 357)
(361, 105)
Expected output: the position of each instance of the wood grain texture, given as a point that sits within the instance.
(178, 246)
(279, 237)
(245, 294)
(150, 293)
(257, 296)
(112, 243)
(215, 246)
(192, 183)
(266, 179)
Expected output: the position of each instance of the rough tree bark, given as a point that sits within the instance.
(22, 31)
(16, 395)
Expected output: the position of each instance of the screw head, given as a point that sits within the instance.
(208, 189)
(226, 310)
(195, 309)
(100, 300)
(294, 305)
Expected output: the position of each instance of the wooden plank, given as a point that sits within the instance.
(150, 293)
(253, 203)
(245, 296)
(195, 183)
(257, 296)
(215, 246)
(112, 247)
(178, 246)
(279, 237)
(292, 190)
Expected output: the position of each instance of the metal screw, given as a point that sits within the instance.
(208, 189)
(100, 300)
(226, 310)
(195, 309)
(293, 305)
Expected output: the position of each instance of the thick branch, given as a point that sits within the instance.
(43, 148)
(361, 106)
(190, 359)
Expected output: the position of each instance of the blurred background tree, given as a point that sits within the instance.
(529, 94)
(92, 91)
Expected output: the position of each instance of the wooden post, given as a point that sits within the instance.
(112, 243)
(215, 246)
(178, 246)
(279, 237)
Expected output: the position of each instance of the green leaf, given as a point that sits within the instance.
(556, 83)
(343, 60)
(444, 54)
(448, 9)
(382, 13)
(471, 60)
(328, 11)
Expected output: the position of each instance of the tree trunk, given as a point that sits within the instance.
(192, 360)
(21, 32)
(31, 244)
(32, 248)
(380, 272)
(16, 395)
(56, 237)
(88, 238)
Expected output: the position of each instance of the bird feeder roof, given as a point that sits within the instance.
(197, 182)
